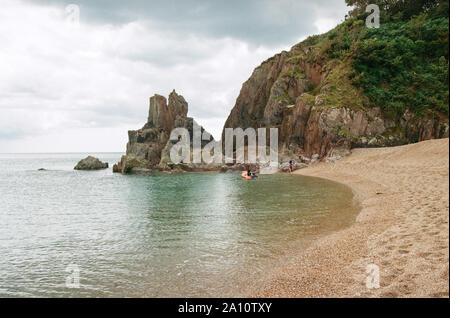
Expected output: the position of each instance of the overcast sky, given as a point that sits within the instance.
(68, 87)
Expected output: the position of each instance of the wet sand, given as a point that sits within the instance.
(403, 228)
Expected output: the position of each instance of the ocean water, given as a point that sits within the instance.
(66, 233)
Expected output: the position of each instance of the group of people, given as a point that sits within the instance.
(291, 169)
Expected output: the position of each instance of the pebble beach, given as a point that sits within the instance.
(402, 229)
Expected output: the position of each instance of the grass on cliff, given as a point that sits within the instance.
(403, 64)
(337, 89)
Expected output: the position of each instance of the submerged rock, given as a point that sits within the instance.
(91, 163)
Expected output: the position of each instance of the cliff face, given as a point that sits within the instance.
(354, 86)
(318, 111)
(350, 87)
(148, 149)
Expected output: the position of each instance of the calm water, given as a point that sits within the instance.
(145, 236)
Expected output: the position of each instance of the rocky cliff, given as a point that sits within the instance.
(353, 86)
(318, 110)
(148, 149)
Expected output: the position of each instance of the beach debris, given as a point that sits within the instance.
(315, 158)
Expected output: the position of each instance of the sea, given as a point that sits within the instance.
(68, 233)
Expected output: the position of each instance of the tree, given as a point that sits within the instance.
(407, 8)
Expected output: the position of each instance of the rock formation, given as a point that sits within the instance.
(319, 112)
(311, 94)
(148, 148)
(91, 163)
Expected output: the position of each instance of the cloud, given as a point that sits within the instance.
(58, 77)
(259, 22)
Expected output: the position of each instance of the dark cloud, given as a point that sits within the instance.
(58, 80)
(258, 22)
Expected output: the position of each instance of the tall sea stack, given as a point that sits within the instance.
(148, 148)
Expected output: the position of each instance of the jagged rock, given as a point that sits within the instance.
(300, 92)
(91, 163)
(292, 130)
(189, 124)
(158, 116)
(294, 92)
(250, 104)
(178, 107)
(148, 149)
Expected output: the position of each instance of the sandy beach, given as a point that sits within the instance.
(403, 228)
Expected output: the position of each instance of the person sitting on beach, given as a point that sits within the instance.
(291, 166)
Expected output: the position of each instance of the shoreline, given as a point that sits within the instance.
(402, 227)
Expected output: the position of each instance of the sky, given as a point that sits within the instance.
(76, 76)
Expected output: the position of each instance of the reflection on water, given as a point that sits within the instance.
(162, 235)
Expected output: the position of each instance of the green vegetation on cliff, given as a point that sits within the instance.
(402, 64)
